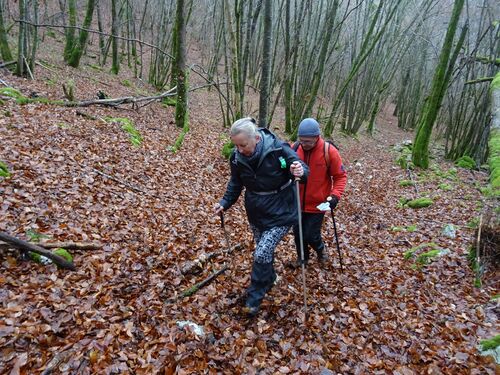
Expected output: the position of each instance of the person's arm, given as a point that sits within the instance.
(291, 157)
(234, 186)
(337, 173)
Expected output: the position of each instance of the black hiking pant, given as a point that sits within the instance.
(263, 274)
(311, 231)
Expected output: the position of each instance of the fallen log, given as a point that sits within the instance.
(195, 266)
(26, 246)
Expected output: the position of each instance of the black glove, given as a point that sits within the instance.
(333, 200)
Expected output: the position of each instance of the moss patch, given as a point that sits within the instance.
(466, 162)
(128, 126)
(420, 203)
(426, 257)
(64, 253)
(406, 183)
(494, 161)
(169, 102)
(4, 170)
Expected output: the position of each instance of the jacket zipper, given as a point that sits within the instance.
(308, 159)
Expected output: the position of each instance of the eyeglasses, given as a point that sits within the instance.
(308, 141)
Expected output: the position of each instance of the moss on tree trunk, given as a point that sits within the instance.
(4, 44)
(79, 47)
(420, 156)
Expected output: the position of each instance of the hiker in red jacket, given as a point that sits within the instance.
(327, 178)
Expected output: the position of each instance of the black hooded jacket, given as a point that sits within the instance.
(270, 192)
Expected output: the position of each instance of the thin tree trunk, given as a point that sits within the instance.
(181, 110)
(70, 32)
(4, 44)
(80, 44)
(102, 42)
(35, 37)
(420, 155)
(22, 47)
(266, 62)
(114, 42)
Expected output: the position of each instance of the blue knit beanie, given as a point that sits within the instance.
(308, 127)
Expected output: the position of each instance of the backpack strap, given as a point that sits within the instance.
(326, 153)
(295, 146)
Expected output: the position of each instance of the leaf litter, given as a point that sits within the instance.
(115, 315)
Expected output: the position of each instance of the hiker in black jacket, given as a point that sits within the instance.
(265, 166)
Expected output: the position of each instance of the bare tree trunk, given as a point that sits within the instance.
(70, 32)
(420, 155)
(22, 45)
(4, 44)
(266, 62)
(34, 37)
(102, 43)
(114, 41)
(181, 110)
(81, 42)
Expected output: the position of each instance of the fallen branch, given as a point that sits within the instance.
(8, 63)
(123, 100)
(122, 182)
(479, 80)
(65, 245)
(26, 246)
(195, 266)
(72, 245)
(90, 117)
(203, 283)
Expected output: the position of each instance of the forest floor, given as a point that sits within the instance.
(118, 312)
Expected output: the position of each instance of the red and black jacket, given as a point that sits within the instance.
(327, 175)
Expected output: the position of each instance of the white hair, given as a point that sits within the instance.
(244, 125)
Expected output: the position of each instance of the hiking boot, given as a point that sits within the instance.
(322, 256)
(250, 312)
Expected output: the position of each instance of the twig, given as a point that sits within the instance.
(8, 63)
(121, 182)
(203, 283)
(478, 249)
(123, 100)
(193, 266)
(96, 32)
(26, 246)
(28, 68)
(45, 67)
(90, 117)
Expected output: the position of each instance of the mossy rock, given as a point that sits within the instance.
(420, 203)
(426, 257)
(44, 260)
(64, 253)
(466, 162)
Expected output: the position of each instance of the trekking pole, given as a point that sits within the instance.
(226, 235)
(301, 238)
(336, 236)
